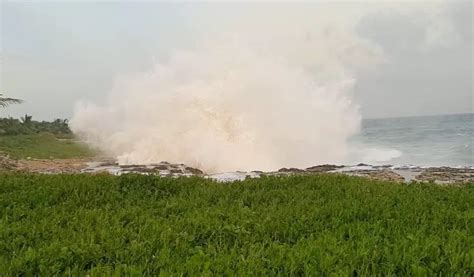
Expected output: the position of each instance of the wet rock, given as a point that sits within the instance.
(161, 167)
(194, 171)
(441, 175)
(291, 170)
(385, 166)
(447, 175)
(139, 170)
(323, 168)
(257, 172)
(383, 175)
(109, 163)
(128, 166)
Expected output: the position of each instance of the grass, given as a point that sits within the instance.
(42, 146)
(319, 225)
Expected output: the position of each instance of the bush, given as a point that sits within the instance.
(25, 126)
(320, 225)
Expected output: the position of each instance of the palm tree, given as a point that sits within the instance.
(5, 101)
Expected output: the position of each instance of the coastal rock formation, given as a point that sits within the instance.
(323, 168)
(291, 170)
(383, 175)
(162, 169)
(194, 171)
(439, 175)
(446, 175)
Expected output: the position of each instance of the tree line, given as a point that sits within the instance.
(26, 124)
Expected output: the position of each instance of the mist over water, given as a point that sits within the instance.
(240, 103)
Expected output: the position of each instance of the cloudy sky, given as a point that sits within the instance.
(56, 54)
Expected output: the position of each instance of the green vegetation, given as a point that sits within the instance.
(22, 138)
(42, 146)
(26, 125)
(5, 101)
(316, 225)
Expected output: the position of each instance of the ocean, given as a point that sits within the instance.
(406, 144)
(441, 140)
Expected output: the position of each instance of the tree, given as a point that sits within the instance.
(5, 101)
(27, 119)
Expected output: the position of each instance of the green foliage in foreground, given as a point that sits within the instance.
(303, 225)
(42, 146)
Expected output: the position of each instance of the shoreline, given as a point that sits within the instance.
(399, 173)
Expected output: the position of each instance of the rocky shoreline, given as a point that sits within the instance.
(439, 175)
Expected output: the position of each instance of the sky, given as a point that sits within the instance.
(406, 58)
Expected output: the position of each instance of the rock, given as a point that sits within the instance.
(128, 166)
(161, 167)
(385, 166)
(291, 170)
(109, 163)
(447, 175)
(383, 175)
(323, 168)
(139, 170)
(194, 171)
(257, 172)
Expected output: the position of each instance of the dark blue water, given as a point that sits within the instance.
(425, 141)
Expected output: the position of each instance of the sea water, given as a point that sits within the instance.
(441, 140)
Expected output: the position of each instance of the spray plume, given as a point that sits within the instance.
(237, 103)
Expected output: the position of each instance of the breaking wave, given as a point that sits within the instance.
(372, 155)
(236, 104)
